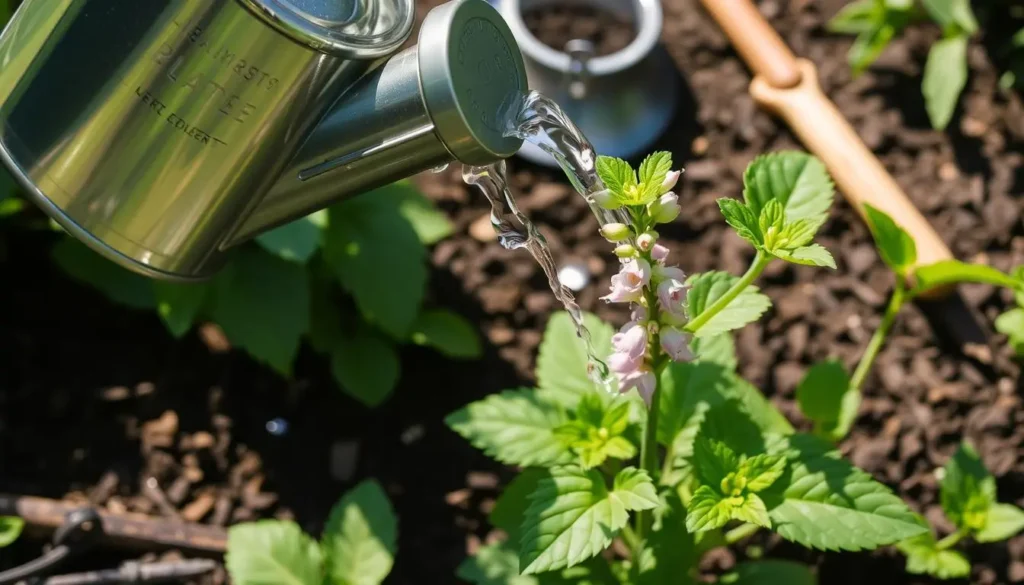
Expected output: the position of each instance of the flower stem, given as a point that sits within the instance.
(951, 540)
(740, 532)
(649, 445)
(761, 260)
(875, 344)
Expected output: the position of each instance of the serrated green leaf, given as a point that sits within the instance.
(633, 488)
(10, 529)
(772, 219)
(967, 489)
(769, 572)
(296, 241)
(708, 287)
(562, 358)
(813, 255)
(895, 246)
(857, 17)
(869, 45)
(653, 170)
(179, 304)
(799, 233)
(366, 365)
(262, 304)
(360, 537)
(514, 427)
(118, 284)
(511, 505)
(752, 511)
(925, 558)
(447, 332)
(950, 272)
(824, 502)
(743, 220)
(572, 517)
(797, 180)
(954, 16)
(945, 75)
(708, 510)
(717, 349)
(595, 434)
(761, 471)
(272, 552)
(823, 396)
(1004, 521)
(616, 174)
(494, 564)
(713, 461)
(670, 554)
(378, 257)
(1011, 324)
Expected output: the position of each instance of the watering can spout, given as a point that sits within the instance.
(162, 134)
(446, 99)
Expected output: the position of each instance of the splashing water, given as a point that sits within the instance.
(538, 120)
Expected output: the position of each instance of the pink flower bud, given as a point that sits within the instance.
(659, 253)
(670, 181)
(675, 344)
(669, 272)
(615, 232)
(622, 364)
(628, 284)
(672, 298)
(631, 340)
(646, 241)
(625, 251)
(644, 382)
(665, 208)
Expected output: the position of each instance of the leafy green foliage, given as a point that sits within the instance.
(715, 349)
(296, 241)
(1004, 521)
(968, 490)
(596, 432)
(357, 547)
(708, 287)
(945, 75)
(894, 244)
(925, 557)
(515, 427)
(730, 484)
(562, 360)
(494, 564)
(950, 272)
(359, 540)
(508, 510)
(1011, 324)
(366, 365)
(634, 189)
(10, 529)
(447, 332)
(769, 572)
(824, 502)
(271, 552)
(825, 397)
(671, 554)
(573, 516)
(118, 284)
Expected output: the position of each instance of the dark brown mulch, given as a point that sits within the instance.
(96, 399)
(555, 25)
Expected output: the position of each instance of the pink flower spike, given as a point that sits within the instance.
(670, 273)
(623, 365)
(676, 344)
(632, 340)
(670, 181)
(639, 313)
(628, 284)
(672, 296)
(659, 253)
(644, 382)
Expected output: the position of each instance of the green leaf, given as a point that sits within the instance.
(179, 304)
(945, 75)
(360, 537)
(596, 432)
(968, 490)
(118, 284)
(572, 517)
(813, 255)
(365, 364)
(562, 358)
(616, 174)
(670, 554)
(761, 471)
(869, 45)
(713, 461)
(708, 510)
(272, 552)
(632, 487)
(378, 257)
(954, 16)
(824, 502)
(895, 246)
(797, 180)
(708, 287)
(743, 220)
(1011, 324)
(1004, 521)
(262, 304)
(494, 564)
(448, 332)
(717, 349)
(771, 220)
(769, 572)
(950, 272)
(752, 511)
(799, 233)
(511, 505)
(430, 224)
(925, 558)
(857, 17)
(10, 529)
(296, 241)
(825, 397)
(514, 427)
(653, 170)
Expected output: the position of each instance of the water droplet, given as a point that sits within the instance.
(574, 276)
(277, 427)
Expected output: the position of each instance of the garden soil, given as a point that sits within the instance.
(98, 404)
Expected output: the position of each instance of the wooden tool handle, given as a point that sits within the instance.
(761, 47)
(856, 171)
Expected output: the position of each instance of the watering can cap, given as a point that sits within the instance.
(471, 70)
(345, 28)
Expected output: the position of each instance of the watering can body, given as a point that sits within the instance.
(164, 132)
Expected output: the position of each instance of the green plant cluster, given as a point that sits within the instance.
(294, 283)
(357, 546)
(877, 22)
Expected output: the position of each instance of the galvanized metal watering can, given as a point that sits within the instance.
(164, 132)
